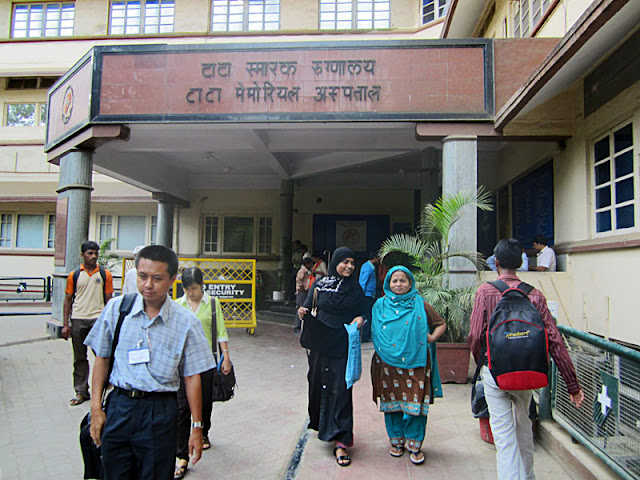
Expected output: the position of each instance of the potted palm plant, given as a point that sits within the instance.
(431, 251)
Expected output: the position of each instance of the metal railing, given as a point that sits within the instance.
(25, 288)
(608, 422)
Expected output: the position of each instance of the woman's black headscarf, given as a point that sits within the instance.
(338, 296)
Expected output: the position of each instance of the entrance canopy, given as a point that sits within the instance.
(173, 118)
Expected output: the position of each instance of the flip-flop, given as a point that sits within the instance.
(345, 459)
(417, 457)
(78, 399)
(206, 444)
(396, 451)
(180, 471)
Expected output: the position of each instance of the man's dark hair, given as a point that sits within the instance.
(160, 253)
(541, 239)
(508, 252)
(192, 275)
(297, 242)
(90, 245)
(307, 261)
(304, 247)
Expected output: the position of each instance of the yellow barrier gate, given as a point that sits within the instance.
(232, 281)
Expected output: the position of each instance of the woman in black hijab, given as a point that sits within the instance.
(339, 301)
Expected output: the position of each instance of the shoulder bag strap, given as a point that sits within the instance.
(125, 309)
(214, 330)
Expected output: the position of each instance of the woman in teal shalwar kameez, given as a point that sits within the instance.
(404, 369)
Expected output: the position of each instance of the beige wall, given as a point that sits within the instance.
(91, 18)
(299, 14)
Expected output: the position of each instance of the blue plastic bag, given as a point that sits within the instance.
(354, 359)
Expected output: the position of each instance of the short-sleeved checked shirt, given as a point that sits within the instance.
(175, 338)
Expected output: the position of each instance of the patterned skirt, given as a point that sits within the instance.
(406, 390)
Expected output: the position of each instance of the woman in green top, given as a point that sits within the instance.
(206, 309)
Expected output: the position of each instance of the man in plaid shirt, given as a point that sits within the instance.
(509, 409)
(159, 342)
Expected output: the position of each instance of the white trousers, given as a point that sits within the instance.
(511, 428)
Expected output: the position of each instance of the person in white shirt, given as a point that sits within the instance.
(546, 261)
(129, 283)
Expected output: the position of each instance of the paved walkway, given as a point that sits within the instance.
(255, 435)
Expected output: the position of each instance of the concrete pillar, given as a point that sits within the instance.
(165, 224)
(74, 211)
(286, 231)
(460, 172)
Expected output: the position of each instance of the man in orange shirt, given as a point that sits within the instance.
(89, 288)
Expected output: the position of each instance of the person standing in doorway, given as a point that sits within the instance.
(88, 290)
(368, 283)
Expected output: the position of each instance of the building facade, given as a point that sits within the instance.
(538, 117)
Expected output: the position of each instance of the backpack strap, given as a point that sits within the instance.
(125, 309)
(103, 274)
(76, 274)
(525, 287)
(500, 285)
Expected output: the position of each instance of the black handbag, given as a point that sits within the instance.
(222, 386)
(91, 453)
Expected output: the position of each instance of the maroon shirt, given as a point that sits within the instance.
(487, 297)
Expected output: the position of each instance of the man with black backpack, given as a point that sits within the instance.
(512, 341)
(89, 288)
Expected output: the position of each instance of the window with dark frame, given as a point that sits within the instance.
(237, 234)
(25, 114)
(614, 180)
(527, 16)
(49, 19)
(27, 230)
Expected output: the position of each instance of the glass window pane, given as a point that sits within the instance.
(624, 164)
(211, 234)
(603, 221)
(603, 197)
(238, 234)
(6, 229)
(625, 217)
(51, 233)
(624, 190)
(105, 230)
(30, 231)
(154, 229)
(43, 114)
(623, 138)
(21, 114)
(601, 149)
(603, 173)
(130, 231)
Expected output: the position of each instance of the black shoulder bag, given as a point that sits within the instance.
(222, 386)
(90, 452)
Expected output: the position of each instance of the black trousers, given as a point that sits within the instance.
(184, 414)
(139, 437)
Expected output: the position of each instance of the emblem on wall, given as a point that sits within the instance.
(67, 105)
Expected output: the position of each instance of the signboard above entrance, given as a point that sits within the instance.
(403, 81)
(317, 81)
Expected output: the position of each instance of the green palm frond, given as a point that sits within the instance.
(431, 250)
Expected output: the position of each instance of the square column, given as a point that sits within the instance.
(460, 173)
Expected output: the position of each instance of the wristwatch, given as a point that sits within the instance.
(196, 425)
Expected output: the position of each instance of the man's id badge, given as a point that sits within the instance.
(139, 355)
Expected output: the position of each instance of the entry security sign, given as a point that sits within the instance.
(229, 291)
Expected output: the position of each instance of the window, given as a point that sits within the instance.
(34, 231)
(43, 20)
(265, 231)
(368, 14)
(26, 83)
(433, 10)
(128, 231)
(6, 229)
(527, 15)
(248, 15)
(26, 114)
(141, 16)
(236, 234)
(614, 177)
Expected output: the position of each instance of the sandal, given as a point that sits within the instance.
(78, 399)
(181, 469)
(342, 460)
(396, 451)
(417, 457)
(206, 444)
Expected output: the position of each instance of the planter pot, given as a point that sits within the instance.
(453, 362)
(278, 296)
